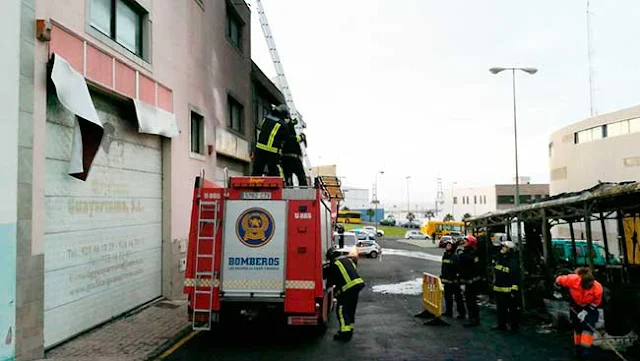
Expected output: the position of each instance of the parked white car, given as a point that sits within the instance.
(372, 229)
(369, 248)
(415, 235)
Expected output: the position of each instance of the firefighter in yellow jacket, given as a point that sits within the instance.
(347, 283)
(273, 134)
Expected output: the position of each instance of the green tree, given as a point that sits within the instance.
(370, 214)
(448, 218)
(429, 215)
(411, 216)
(466, 215)
(345, 208)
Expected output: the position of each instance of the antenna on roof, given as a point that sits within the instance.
(590, 59)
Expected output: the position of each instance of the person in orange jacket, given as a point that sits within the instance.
(586, 297)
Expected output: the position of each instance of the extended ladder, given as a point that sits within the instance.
(205, 278)
(282, 79)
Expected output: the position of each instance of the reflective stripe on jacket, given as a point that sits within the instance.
(581, 296)
(449, 269)
(271, 136)
(344, 276)
(507, 275)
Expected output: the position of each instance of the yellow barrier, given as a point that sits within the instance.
(432, 291)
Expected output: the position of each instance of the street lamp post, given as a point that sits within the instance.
(515, 138)
(376, 199)
(453, 199)
(408, 200)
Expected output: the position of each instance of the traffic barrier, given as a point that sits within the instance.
(432, 294)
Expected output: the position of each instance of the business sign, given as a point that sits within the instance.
(254, 248)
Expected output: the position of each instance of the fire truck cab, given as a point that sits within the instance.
(257, 249)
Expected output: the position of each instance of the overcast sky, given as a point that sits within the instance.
(403, 86)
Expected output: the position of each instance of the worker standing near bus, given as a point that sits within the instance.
(506, 288)
(470, 279)
(586, 297)
(449, 277)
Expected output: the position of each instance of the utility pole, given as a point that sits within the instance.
(590, 59)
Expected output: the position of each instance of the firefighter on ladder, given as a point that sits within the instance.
(347, 283)
(506, 288)
(586, 297)
(292, 156)
(268, 152)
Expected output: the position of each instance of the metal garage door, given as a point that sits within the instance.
(103, 236)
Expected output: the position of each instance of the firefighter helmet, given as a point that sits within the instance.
(471, 242)
(281, 111)
(510, 245)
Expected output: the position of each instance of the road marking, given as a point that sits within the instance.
(412, 254)
(178, 344)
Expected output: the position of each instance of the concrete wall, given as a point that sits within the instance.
(9, 120)
(377, 216)
(195, 66)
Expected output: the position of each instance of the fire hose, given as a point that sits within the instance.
(593, 329)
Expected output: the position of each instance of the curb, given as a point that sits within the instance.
(155, 354)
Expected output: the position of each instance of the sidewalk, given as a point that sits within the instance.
(134, 337)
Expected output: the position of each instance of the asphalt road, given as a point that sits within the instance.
(386, 329)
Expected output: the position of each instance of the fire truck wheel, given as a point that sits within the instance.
(373, 254)
(321, 327)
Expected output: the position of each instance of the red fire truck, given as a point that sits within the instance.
(256, 248)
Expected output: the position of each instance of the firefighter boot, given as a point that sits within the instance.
(343, 336)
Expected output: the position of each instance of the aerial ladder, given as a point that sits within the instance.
(282, 80)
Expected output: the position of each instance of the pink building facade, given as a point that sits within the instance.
(122, 103)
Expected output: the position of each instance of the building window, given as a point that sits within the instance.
(484, 199)
(550, 149)
(235, 27)
(505, 199)
(475, 199)
(617, 128)
(634, 125)
(455, 200)
(235, 119)
(121, 20)
(197, 133)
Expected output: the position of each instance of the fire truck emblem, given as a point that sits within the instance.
(255, 227)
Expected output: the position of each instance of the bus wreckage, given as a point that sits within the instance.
(608, 218)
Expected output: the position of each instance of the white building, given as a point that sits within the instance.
(356, 198)
(604, 148)
(479, 200)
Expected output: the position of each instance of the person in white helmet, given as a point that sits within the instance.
(506, 288)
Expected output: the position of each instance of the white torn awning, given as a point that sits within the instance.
(73, 94)
(152, 120)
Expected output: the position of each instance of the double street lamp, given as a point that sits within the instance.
(515, 137)
(515, 123)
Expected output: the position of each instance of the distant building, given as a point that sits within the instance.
(479, 200)
(326, 170)
(356, 198)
